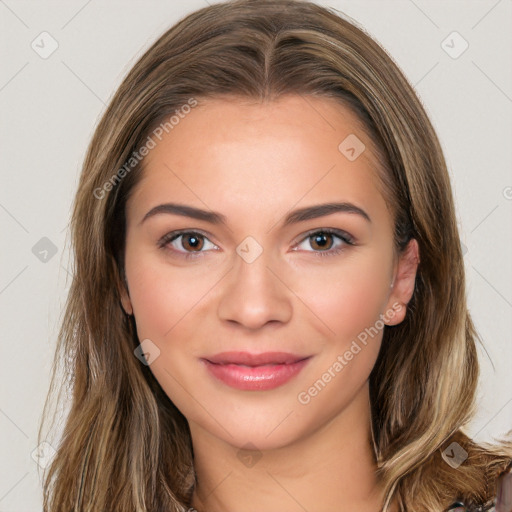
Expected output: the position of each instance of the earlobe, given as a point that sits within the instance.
(124, 295)
(402, 287)
(126, 303)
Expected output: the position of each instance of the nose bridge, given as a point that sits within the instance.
(252, 266)
(254, 295)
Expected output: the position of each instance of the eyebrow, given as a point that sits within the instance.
(299, 215)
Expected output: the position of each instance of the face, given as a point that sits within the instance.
(265, 306)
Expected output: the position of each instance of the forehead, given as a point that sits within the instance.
(236, 155)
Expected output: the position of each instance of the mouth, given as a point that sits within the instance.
(255, 372)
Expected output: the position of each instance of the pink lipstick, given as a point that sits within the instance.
(255, 372)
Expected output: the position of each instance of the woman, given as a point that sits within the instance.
(268, 307)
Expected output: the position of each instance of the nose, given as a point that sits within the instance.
(254, 293)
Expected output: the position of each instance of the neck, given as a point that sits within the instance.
(332, 468)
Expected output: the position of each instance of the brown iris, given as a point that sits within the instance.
(320, 240)
(195, 241)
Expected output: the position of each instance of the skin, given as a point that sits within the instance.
(254, 163)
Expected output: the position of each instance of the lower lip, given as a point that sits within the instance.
(257, 378)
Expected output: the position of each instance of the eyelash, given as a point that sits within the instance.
(342, 235)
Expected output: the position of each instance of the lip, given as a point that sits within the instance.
(255, 372)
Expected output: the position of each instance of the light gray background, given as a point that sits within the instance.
(50, 108)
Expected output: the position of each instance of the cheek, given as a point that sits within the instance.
(165, 296)
(168, 304)
(347, 297)
(151, 294)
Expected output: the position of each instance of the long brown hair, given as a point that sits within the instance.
(124, 445)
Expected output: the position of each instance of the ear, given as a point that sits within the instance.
(122, 288)
(402, 287)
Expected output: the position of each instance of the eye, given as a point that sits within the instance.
(322, 241)
(191, 242)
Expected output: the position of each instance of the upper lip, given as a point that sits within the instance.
(249, 359)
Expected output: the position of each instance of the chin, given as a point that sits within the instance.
(263, 425)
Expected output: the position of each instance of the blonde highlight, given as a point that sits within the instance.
(125, 446)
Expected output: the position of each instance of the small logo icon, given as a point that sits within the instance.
(44, 45)
(43, 454)
(249, 249)
(454, 455)
(249, 455)
(351, 147)
(147, 352)
(44, 250)
(454, 45)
